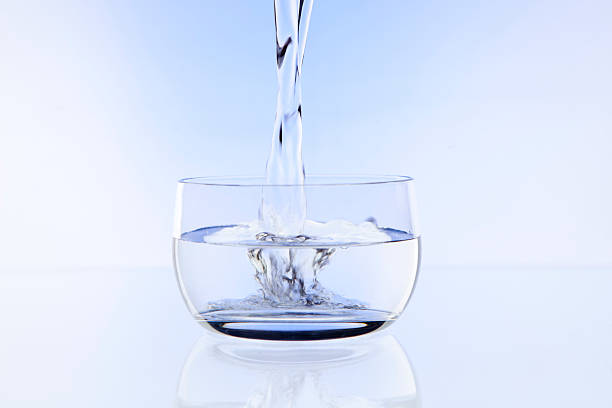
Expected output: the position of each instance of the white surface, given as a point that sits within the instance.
(475, 338)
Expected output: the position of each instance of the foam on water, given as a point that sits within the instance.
(336, 232)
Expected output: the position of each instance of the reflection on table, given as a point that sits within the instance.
(371, 371)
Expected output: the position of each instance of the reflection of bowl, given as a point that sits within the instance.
(372, 371)
(350, 270)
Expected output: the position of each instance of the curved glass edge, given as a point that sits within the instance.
(311, 180)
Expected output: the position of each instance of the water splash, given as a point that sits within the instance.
(287, 268)
(289, 277)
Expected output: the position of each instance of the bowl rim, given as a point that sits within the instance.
(310, 180)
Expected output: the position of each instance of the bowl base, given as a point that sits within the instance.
(295, 331)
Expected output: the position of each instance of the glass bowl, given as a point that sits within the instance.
(351, 270)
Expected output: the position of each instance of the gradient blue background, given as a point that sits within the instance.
(500, 110)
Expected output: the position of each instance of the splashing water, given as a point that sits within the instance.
(289, 277)
(285, 257)
(286, 275)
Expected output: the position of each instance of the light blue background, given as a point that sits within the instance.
(500, 110)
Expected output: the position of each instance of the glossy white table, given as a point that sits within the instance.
(472, 337)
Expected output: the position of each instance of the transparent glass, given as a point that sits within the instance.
(350, 271)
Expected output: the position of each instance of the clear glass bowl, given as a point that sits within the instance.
(350, 271)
